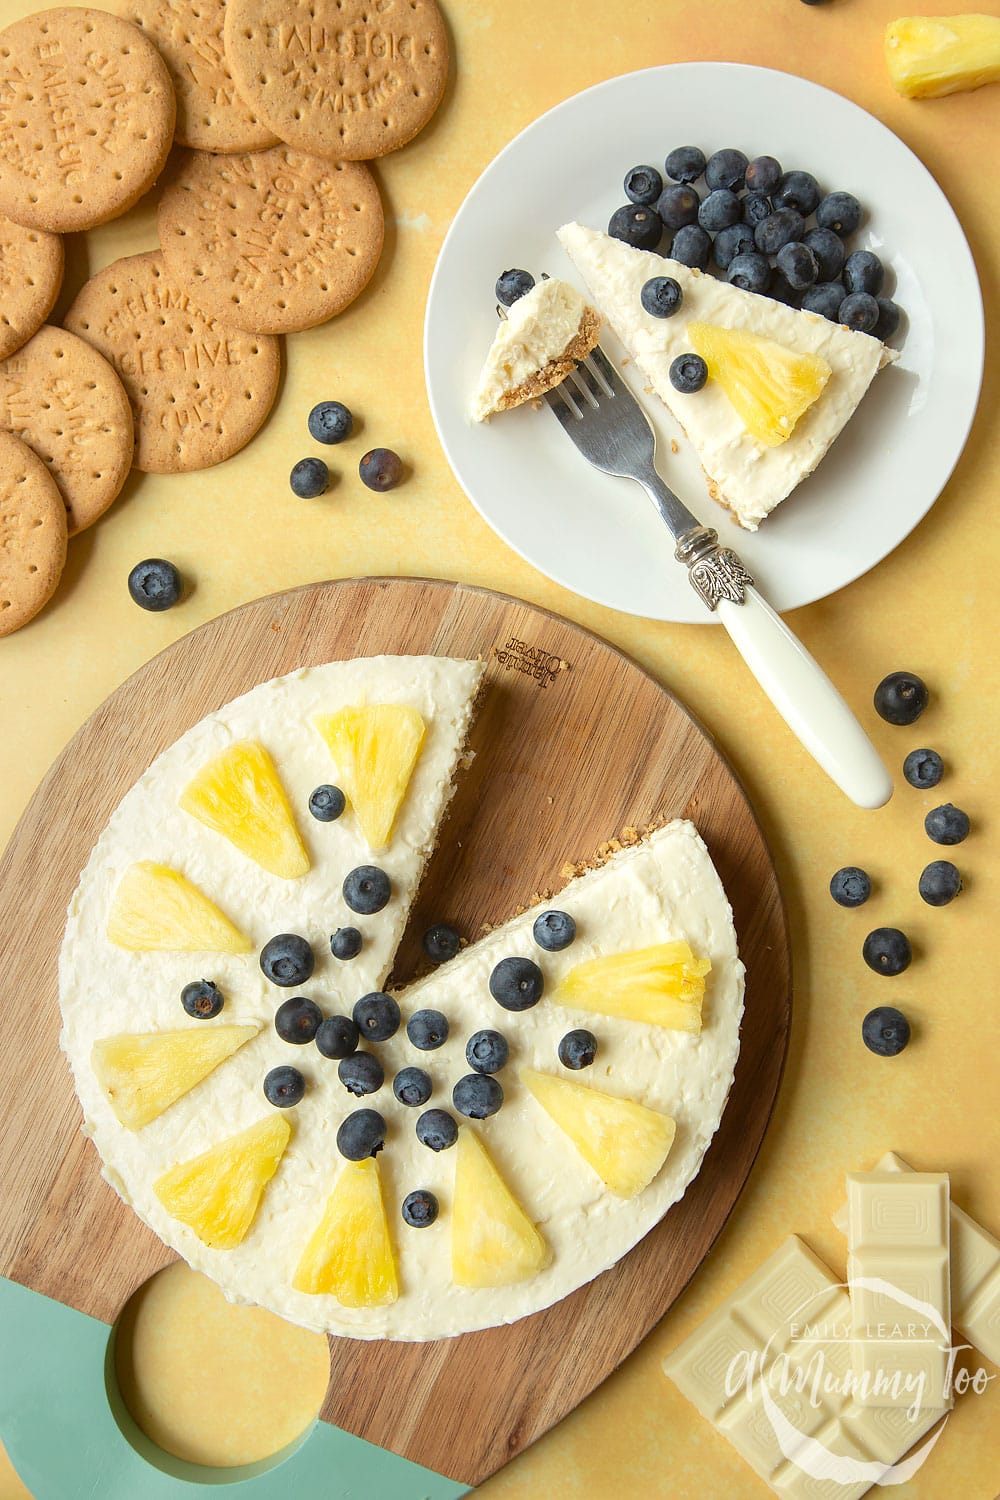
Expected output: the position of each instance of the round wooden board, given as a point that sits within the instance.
(573, 742)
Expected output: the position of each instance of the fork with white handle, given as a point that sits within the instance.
(599, 412)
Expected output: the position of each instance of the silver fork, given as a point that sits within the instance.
(596, 409)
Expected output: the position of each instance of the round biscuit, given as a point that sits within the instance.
(199, 388)
(275, 241)
(350, 79)
(63, 399)
(32, 534)
(31, 272)
(211, 114)
(87, 115)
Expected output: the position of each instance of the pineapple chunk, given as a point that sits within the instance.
(664, 986)
(770, 386)
(156, 908)
(928, 56)
(239, 795)
(143, 1074)
(625, 1143)
(375, 749)
(350, 1253)
(218, 1193)
(493, 1242)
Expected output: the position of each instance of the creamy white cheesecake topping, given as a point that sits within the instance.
(538, 328)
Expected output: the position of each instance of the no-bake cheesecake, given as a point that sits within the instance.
(543, 335)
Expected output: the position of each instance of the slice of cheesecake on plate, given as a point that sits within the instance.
(543, 335)
(782, 382)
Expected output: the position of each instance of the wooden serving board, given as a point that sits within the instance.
(573, 743)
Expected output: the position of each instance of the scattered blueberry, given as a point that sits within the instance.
(688, 373)
(643, 185)
(735, 239)
(692, 246)
(554, 930)
(763, 174)
(155, 584)
(412, 1086)
(287, 960)
(202, 999)
(798, 265)
(380, 469)
(779, 228)
(441, 942)
(863, 272)
(337, 1037)
(361, 1073)
(901, 698)
(487, 1051)
(939, 882)
(859, 311)
(887, 951)
(636, 225)
(477, 1096)
(427, 1030)
(511, 285)
(726, 169)
(685, 163)
(297, 1020)
(330, 422)
(436, 1129)
(361, 1134)
(840, 212)
(885, 1031)
(345, 943)
(376, 1016)
(420, 1208)
(829, 251)
(661, 296)
(947, 824)
(309, 477)
(284, 1087)
(825, 299)
(578, 1049)
(719, 210)
(516, 983)
(751, 272)
(677, 205)
(889, 314)
(367, 889)
(756, 208)
(326, 803)
(797, 190)
(851, 886)
(923, 768)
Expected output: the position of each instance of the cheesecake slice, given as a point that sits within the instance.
(543, 335)
(745, 474)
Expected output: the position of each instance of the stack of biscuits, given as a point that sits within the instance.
(268, 219)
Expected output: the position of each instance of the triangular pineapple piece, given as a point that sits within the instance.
(625, 1143)
(218, 1193)
(143, 1074)
(375, 748)
(156, 908)
(663, 985)
(239, 795)
(493, 1242)
(350, 1254)
(929, 56)
(769, 386)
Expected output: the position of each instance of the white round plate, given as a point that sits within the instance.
(600, 536)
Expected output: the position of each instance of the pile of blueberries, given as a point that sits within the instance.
(900, 699)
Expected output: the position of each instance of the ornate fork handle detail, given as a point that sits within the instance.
(714, 572)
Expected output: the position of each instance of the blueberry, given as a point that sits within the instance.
(763, 174)
(326, 803)
(677, 205)
(337, 1037)
(661, 296)
(155, 584)
(779, 228)
(287, 960)
(643, 185)
(947, 824)
(637, 226)
(840, 212)
(412, 1086)
(850, 886)
(361, 1073)
(420, 1208)
(726, 169)
(685, 163)
(887, 951)
(297, 1020)
(735, 239)
(578, 1049)
(797, 190)
(829, 251)
(330, 422)
(779, 290)
(477, 1096)
(284, 1087)
(756, 208)
(376, 1016)
(692, 246)
(511, 285)
(885, 1031)
(427, 1030)
(688, 373)
(487, 1051)
(554, 930)
(361, 1134)
(516, 983)
(798, 265)
(859, 311)
(345, 943)
(939, 882)
(863, 272)
(436, 1129)
(825, 299)
(889, 315)
(901, 698)
(309, 477)
(380, 469)
(441, 942)
(202, 999)
(367, 889)
(751, 272)
(923, 768)
(720, 210)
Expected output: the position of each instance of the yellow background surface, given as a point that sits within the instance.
(237, 532)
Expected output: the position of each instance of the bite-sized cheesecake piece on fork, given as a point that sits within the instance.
(536, 346)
